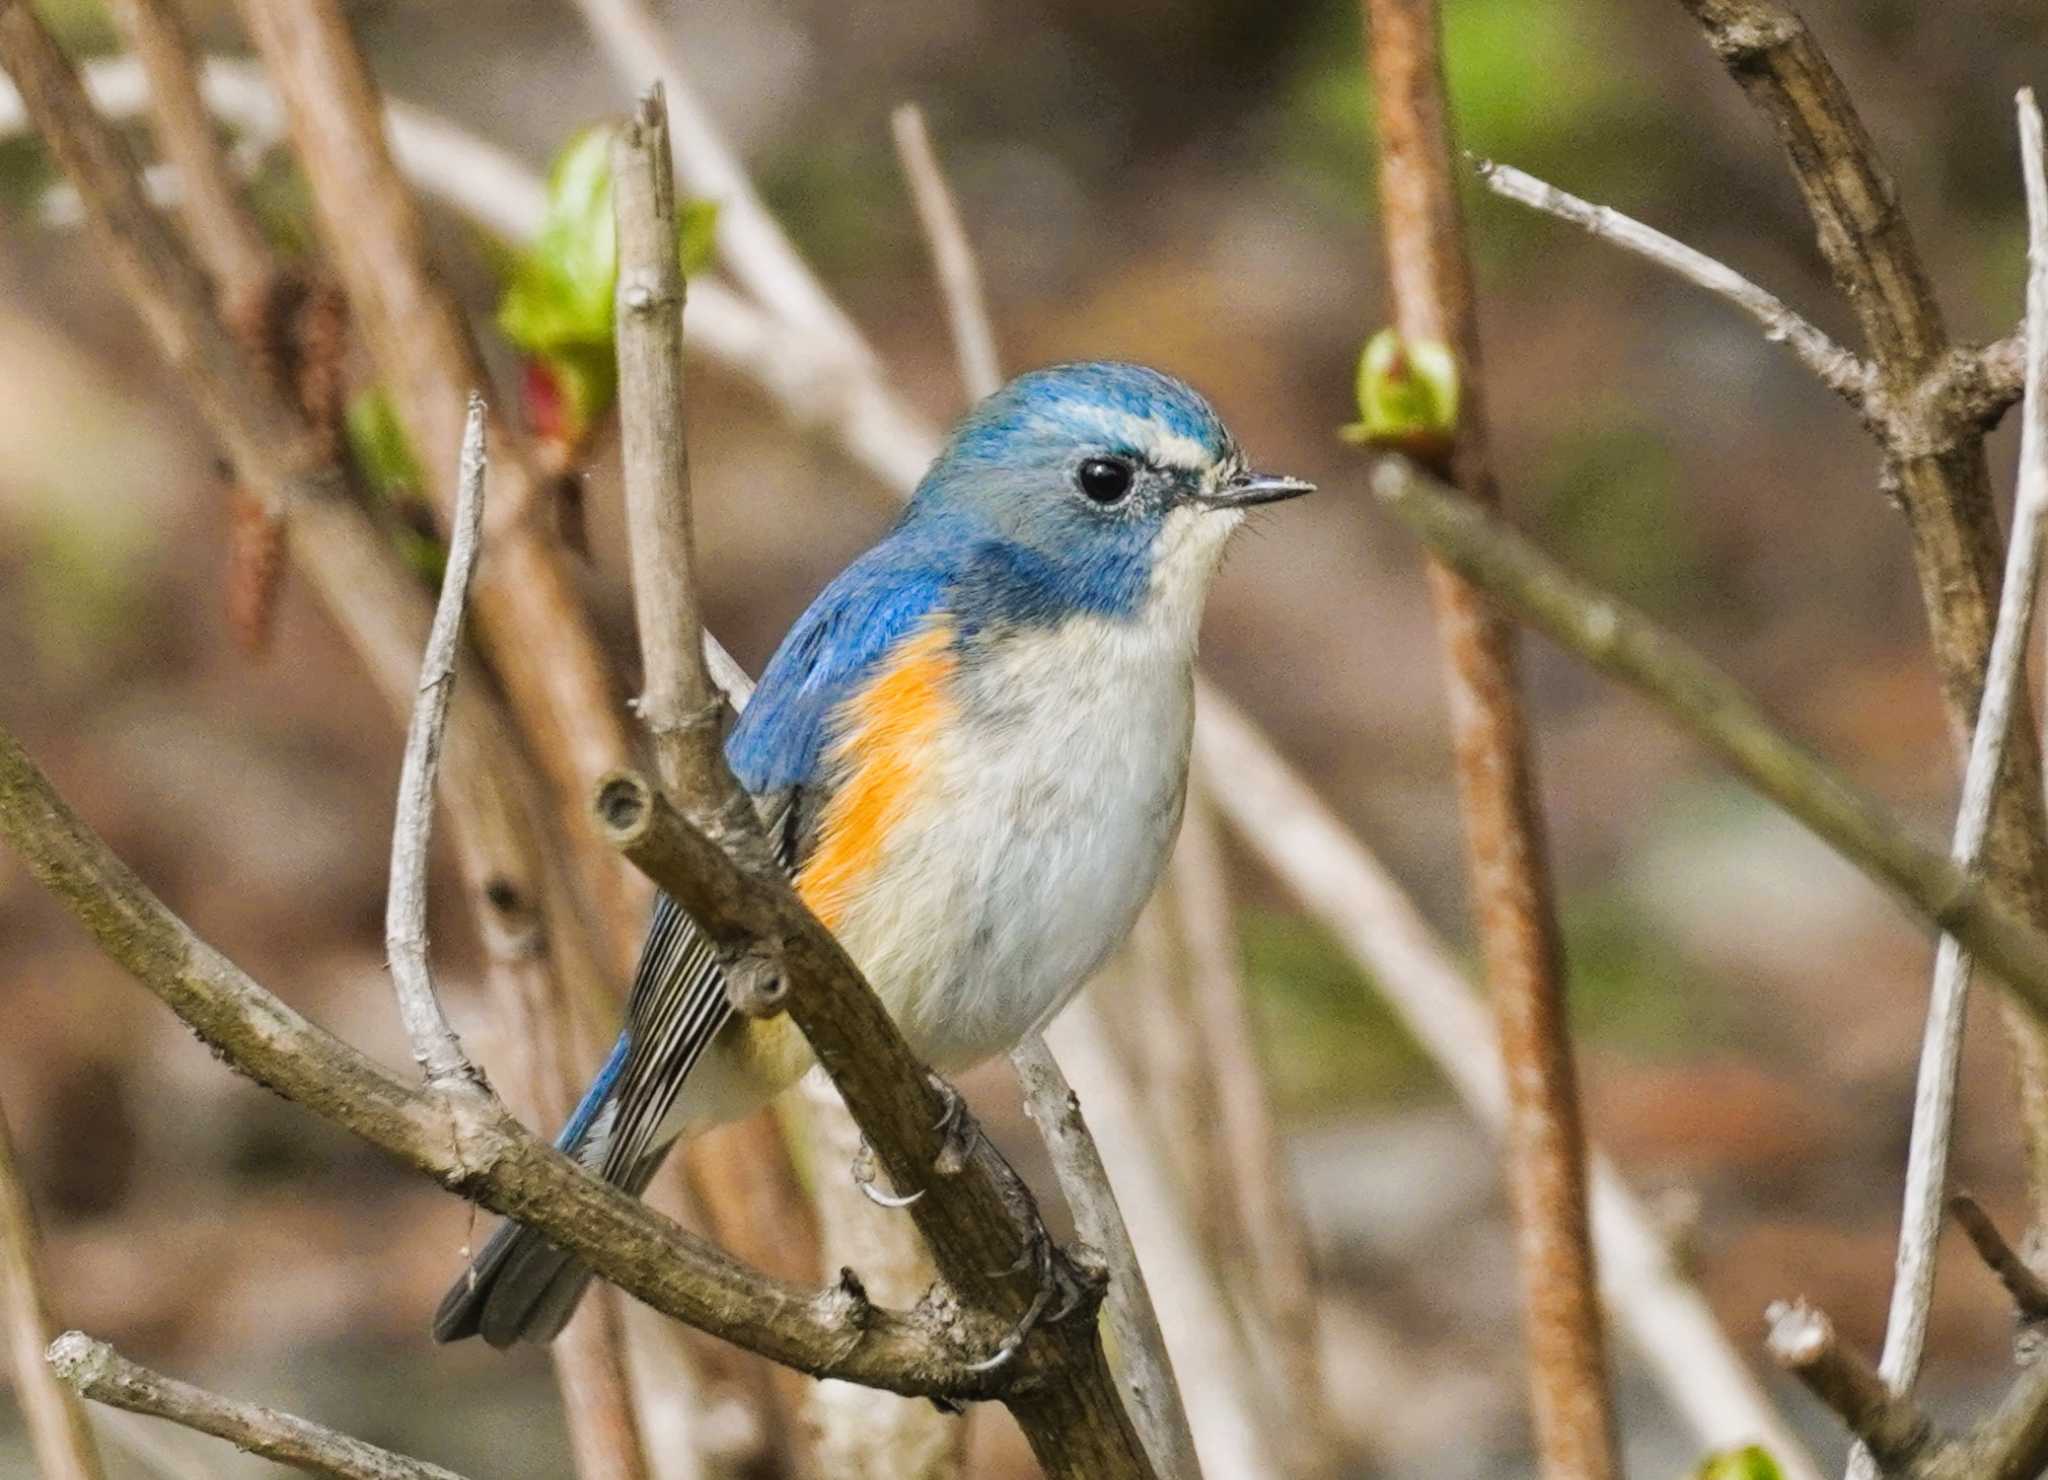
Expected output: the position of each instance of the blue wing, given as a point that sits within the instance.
(777, 750)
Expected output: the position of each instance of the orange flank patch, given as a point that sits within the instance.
(886, 728)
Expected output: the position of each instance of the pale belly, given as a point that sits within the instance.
(1036, 836)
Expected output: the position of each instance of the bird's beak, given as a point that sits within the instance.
(1247, 489)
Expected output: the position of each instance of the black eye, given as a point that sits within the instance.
(1104, 479)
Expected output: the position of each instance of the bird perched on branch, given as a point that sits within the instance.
(975, 744)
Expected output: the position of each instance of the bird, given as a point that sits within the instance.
(973, 751)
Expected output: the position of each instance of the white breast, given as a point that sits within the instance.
(1041, 830)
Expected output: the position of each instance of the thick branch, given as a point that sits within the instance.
(57, 1429)
(1837, 369)
(1506, 864)
(1627, 645)
(95, 1370)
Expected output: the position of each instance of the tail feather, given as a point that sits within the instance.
(520, 1287)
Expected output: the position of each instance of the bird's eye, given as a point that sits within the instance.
(1104, 479)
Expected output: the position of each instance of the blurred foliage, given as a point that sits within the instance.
(1330, 1041)
(1751, 1463)
(1326, 1037)
(84, 562)
(1629, 986)
(283, 203)
(383, 460)
(1611, 507)
(557, 305)
(1533, 83)
(82, 27)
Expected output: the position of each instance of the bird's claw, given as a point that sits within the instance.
(1063, 1289)
(957, 1128)
(864, 1172)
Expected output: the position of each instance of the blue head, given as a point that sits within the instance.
(1103, 488)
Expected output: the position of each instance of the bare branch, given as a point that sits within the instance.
(227, 237)
(1281, 1282)
(434, 1044)
(1930, 421)
(1233, 1431)
(677, 695)
(57, 1428)
(1144, 1368)
(2028, 1290)
(1803, 1342)
(1838, 369)
(1507, 869)
(95, 1370)
(1942, 1048)
(960, 282)
(1629, 646)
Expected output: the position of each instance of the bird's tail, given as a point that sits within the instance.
(520, 1287)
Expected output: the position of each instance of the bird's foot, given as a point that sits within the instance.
(1065, 1287)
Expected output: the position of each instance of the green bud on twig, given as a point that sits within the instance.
(1407, 397)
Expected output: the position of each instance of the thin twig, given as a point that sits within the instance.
(57, 1429)
(1277, 1270)
(95, 1370)
(1934, 1098)
(1803, 1342)
(434, 1044)
(751, 244)
(1232, 1432)
(1144, 1368)
(1837, 368)
(1506, 863)
(2028, 1290)
(677, 695)
(974, 340)
(1627, 645)
(1931, 428)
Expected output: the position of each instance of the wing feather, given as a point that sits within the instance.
(780, 752)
